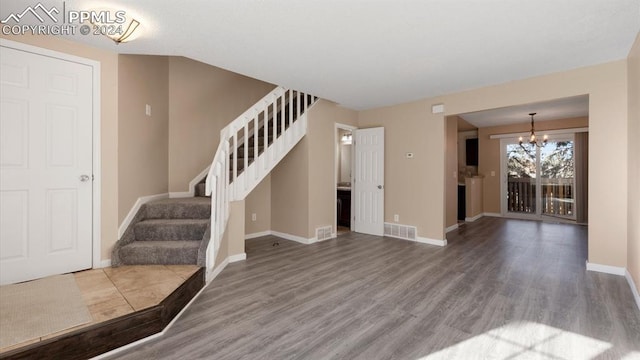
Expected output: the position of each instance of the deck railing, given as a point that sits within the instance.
(556, 196)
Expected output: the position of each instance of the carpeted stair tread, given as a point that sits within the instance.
(179, 208)
(160, 252)
(170, 229)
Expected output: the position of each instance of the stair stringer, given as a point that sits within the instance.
(224, 187)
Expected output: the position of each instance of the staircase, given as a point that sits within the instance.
(250, 147)
(168, 231)
(178, 231)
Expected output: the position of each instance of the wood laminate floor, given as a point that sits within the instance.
(501, 289)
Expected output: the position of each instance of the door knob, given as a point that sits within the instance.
(84, 178)
(380, 187)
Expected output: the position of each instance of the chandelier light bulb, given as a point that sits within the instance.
(532, 138)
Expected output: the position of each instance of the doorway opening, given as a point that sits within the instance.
(542, 182)
(549, 183)
(343, 179)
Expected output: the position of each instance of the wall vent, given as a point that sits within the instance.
(324, 233)
(400, 231)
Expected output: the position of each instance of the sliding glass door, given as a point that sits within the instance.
(557, 182)
(521, 174)
(539, 182)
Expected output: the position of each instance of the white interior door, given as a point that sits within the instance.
(369, 181)
(46, 166)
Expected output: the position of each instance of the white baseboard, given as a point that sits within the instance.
(237, 257)
(472, 219)
(492, 214)
(633, 287)
(257, 235)
(135, 343)
(192, 185)
(105, 263)
(216, 271)
(436, 242)
(287, 236)
(196, 180)
(134, 210)
(295, 238)
(451, 228)
(607, 269)
(181, 194)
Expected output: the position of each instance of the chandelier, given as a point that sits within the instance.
(533, 140)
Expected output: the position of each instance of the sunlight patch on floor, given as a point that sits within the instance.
(525, 340)
(634, 355)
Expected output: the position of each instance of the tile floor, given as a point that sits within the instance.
(113, 292)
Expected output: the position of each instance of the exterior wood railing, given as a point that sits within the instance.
(557, 196)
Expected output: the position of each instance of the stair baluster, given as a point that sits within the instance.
(237, 168)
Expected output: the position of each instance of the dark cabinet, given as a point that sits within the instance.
(462, 202)
(344, 208)
(472, 152)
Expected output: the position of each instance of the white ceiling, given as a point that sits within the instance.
(365, 54)
(565, 108)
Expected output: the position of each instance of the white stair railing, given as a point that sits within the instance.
(250, 147)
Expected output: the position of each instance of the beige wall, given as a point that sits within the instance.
(259, 202)
(303, 185)
(143, 140)
(321, 137)
(223, 250)
(489, 153)
(606, 86)
(451, 173)
(633, 246)
(235, 228)
(414, 188)
(232, 242)
(202, 100)
(108, 127)
(290, 192)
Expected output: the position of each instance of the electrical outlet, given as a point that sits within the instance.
(254, 217)
(396, 217)
(493, 173)
(147, 110)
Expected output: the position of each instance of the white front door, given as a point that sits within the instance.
(369, 181)
(45, 166)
